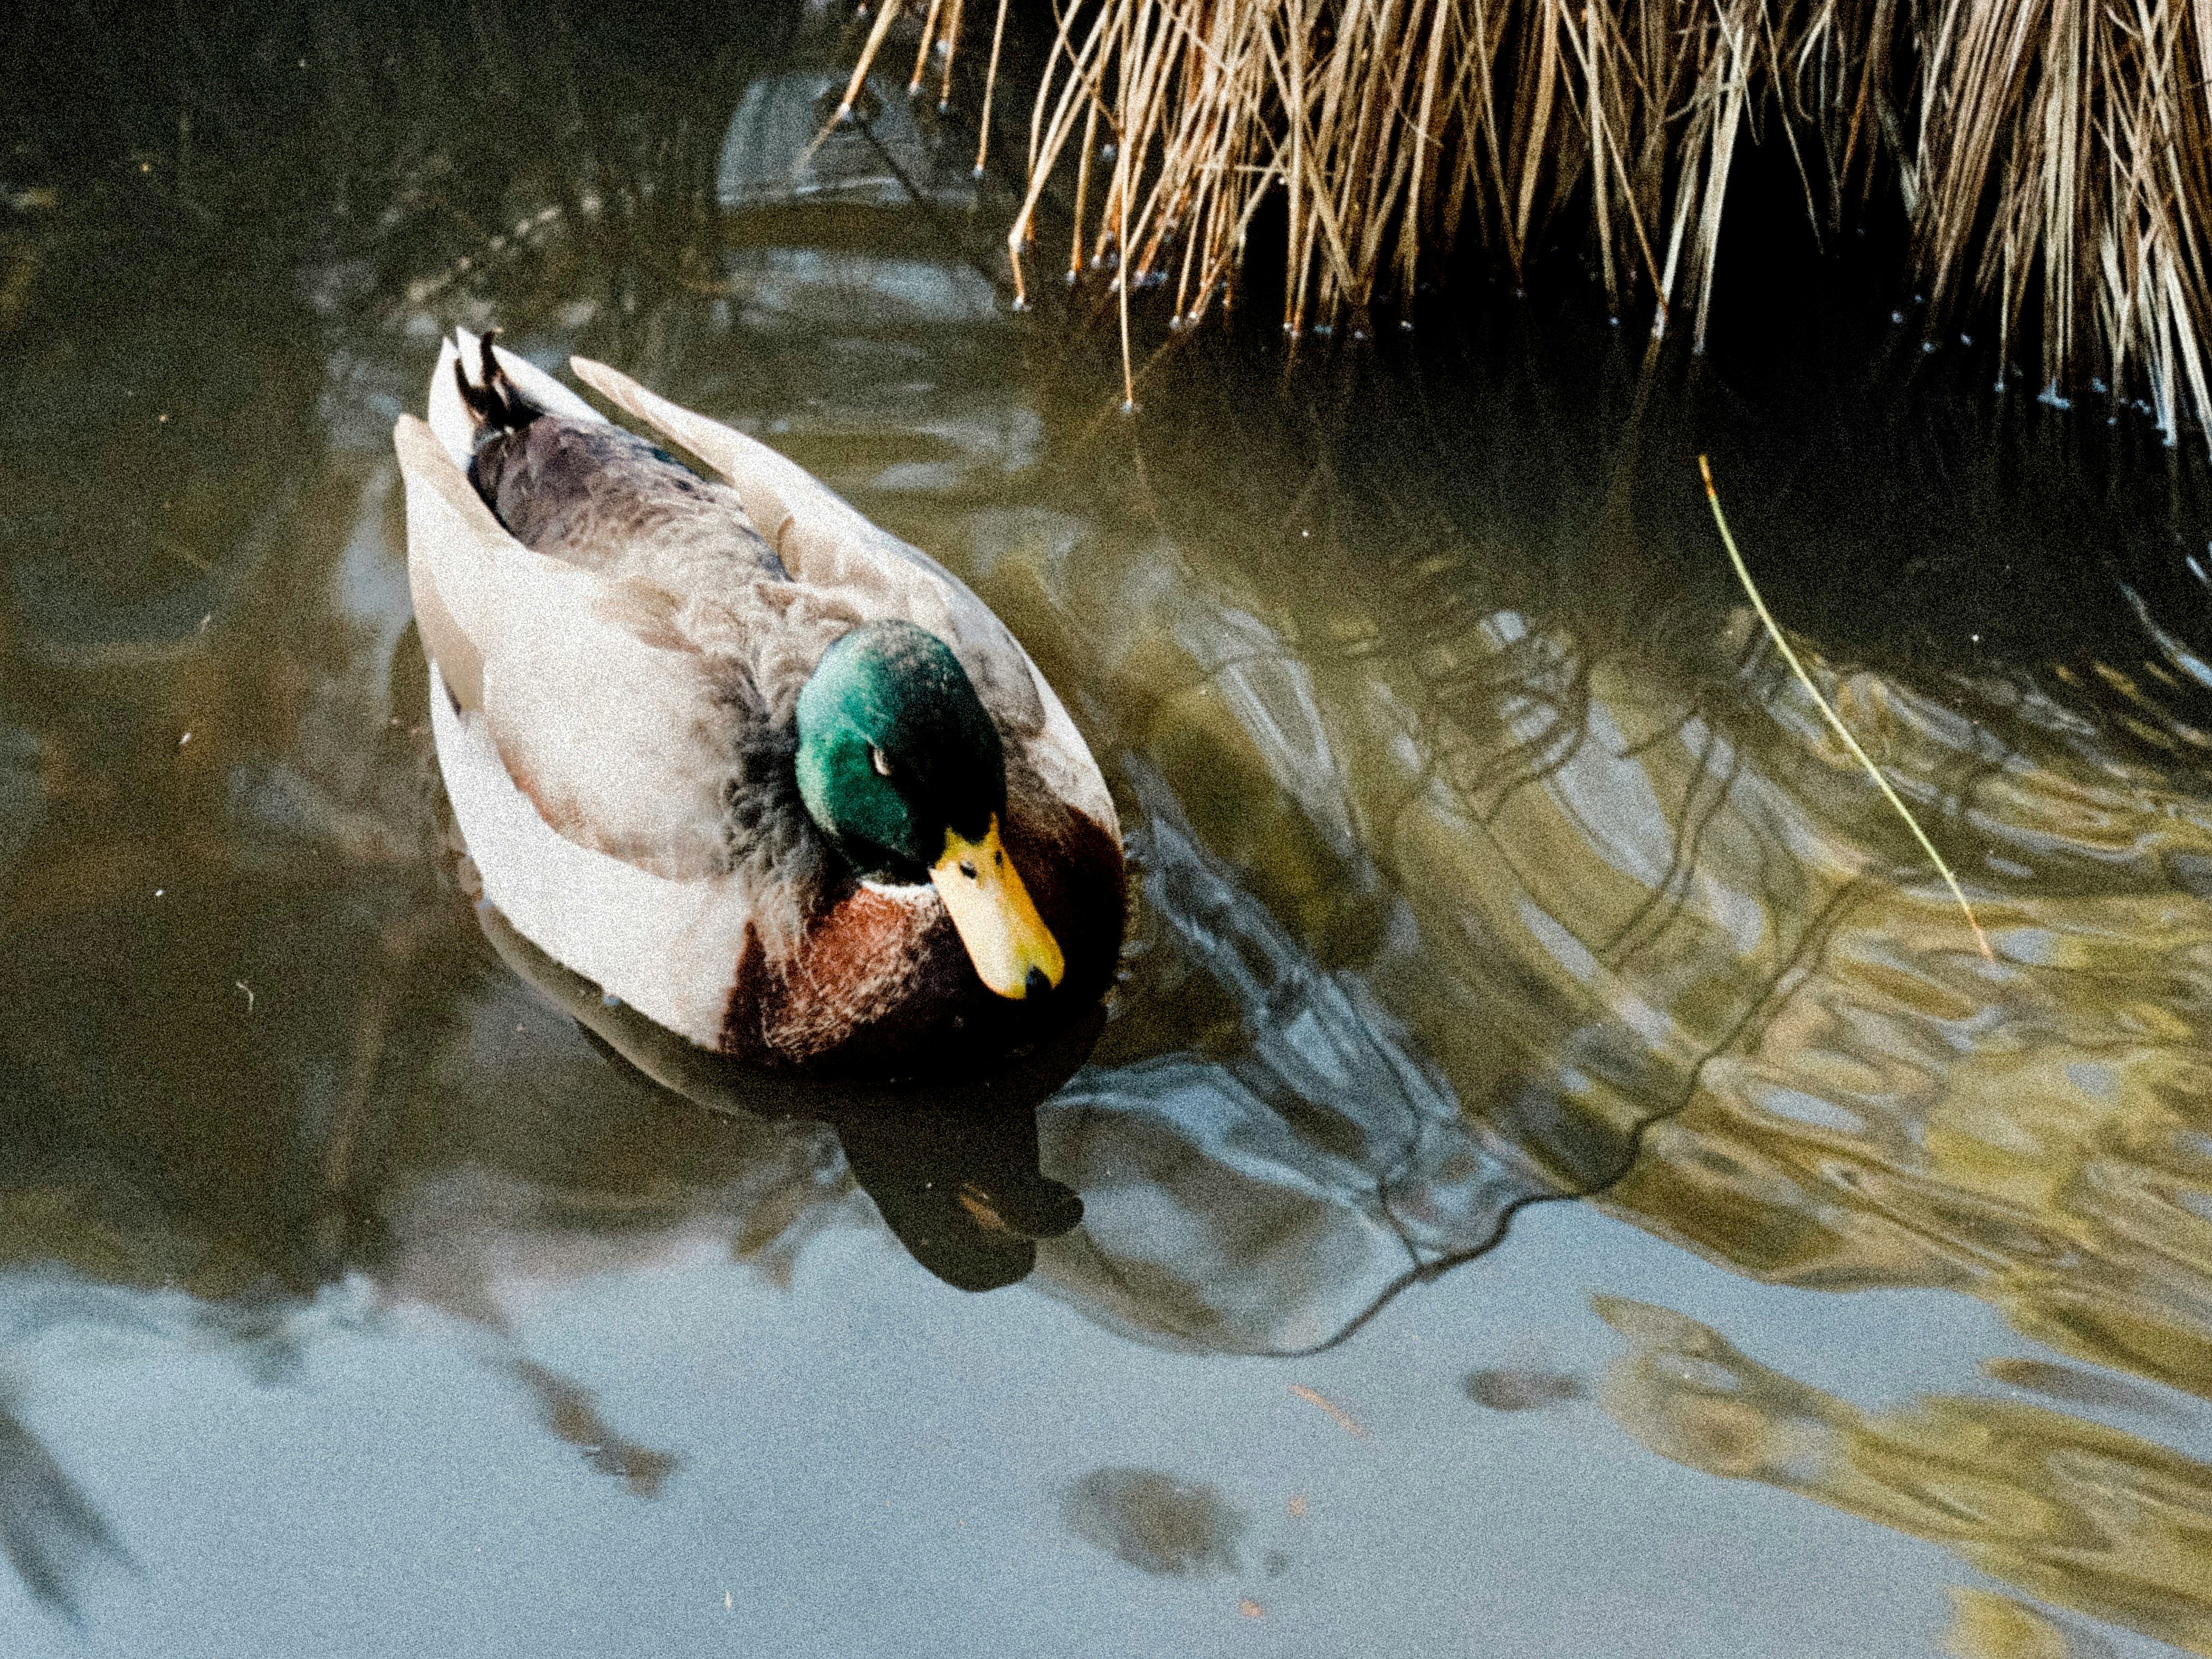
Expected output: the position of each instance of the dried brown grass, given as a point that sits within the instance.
(2052, 158)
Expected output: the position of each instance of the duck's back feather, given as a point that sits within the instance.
(593, 495)
(617, 732)
(824, 542)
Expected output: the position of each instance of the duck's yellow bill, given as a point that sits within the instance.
(1006, 938)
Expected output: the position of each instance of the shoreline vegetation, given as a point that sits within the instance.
(2045, 167)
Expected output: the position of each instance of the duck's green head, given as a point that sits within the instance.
(901, 766)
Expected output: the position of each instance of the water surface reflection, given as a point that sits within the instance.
(1486, 857)
(2084, 1515)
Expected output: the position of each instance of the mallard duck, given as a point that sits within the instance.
(775, 779)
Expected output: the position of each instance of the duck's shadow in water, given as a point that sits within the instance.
(951, 1161)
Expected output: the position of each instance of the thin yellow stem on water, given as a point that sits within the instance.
(1836, 720)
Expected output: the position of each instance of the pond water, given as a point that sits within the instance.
(1558, 1176)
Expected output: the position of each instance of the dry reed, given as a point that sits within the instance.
(2052, 158)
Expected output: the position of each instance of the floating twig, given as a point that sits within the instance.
(1343, 1419)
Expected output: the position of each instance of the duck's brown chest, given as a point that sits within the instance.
(879, 981)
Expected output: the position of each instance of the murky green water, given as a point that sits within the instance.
(1539, 1048)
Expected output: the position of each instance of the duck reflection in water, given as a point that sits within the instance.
(952, 1163)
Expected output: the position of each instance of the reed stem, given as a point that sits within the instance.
(2049, 161)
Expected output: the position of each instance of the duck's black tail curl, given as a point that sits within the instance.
(494, 402)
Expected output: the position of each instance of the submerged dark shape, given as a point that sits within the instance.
(951, 1165)
(1520, 1389)
(1157, 1523)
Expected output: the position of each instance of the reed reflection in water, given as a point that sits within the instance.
(2074, 1513)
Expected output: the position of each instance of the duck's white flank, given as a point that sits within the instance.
(667, 948)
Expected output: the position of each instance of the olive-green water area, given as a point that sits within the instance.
(1557, 1175)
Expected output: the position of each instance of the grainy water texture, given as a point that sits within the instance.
(1558, 1176)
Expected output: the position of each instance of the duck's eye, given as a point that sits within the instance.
(880, 761)
(967, 869)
